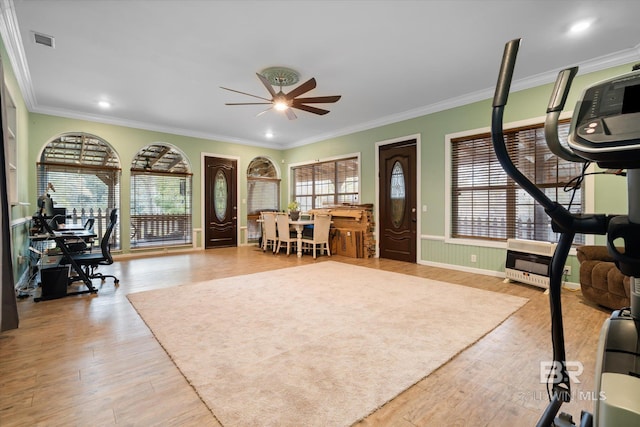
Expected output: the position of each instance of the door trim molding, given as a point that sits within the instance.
(377, 146)
(203, 156)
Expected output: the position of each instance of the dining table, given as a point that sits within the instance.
(299, 226)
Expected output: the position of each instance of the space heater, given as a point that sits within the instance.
(528, 261)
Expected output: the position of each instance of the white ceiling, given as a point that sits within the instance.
(161, 63)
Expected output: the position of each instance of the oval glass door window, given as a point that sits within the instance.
(220, 195)
(397, 195)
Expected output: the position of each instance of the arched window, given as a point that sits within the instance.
(263, 193)
(84, 173)
(160, 197)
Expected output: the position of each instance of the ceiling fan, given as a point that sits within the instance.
(287, 101)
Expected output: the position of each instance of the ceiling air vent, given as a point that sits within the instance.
(43, 39)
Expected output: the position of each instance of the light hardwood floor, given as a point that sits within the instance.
(90, 359)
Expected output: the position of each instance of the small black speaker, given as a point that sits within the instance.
(54, 282)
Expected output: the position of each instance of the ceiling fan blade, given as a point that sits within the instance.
(262, 112)
(310, 109)
(244, 93)
(290, 114)
(318, 99)
(303, 88)
(247, 103)
(266, 84)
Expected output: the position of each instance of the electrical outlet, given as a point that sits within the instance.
(567, 270)
(474, 258)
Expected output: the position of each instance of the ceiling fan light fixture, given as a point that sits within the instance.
(280, 105)
(287, 102)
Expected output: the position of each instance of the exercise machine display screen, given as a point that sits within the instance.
(606, 123)
(631, 100)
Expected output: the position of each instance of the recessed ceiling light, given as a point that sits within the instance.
(580, 26)
(104, 104)
(269, 134)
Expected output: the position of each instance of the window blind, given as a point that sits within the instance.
(83, 192)
(487, 204)
(263, 194)
(160, 209)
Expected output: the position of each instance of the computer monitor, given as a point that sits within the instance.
(45, 206)
(60, 215)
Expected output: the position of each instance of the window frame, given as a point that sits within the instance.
(253, 179)
(588, 184)
(66, 159)
(163, 162)
(291, 175)
(12, 167)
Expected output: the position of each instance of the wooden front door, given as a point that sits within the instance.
(398, 214)
(221, 210)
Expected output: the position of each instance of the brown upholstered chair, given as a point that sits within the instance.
(600, 279)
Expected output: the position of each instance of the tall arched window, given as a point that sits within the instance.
(160, 197)
(263, 188)
(84, 173)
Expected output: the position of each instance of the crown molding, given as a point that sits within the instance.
(596, 64)
(10, 32)
(98, 118)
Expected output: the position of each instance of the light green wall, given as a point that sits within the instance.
(610, 192)
(128, 141)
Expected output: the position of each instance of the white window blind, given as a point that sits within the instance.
(85, 174)
(263, 193)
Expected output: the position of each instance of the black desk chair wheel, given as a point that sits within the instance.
(91, 261)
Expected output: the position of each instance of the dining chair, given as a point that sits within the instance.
(320, 235)
(270, 234)
(285, 235)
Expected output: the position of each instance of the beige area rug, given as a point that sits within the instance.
(317, 345)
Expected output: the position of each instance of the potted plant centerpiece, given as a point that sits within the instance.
(294, 210)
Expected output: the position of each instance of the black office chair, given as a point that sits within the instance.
(88, 225)
(91, 261)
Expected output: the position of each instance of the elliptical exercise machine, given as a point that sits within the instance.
(605, 129)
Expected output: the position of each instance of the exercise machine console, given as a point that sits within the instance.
(605, 129)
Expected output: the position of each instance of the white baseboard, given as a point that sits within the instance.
(567, 285)
(462, 268)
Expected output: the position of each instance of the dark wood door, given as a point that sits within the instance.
(221, 211)
(398, 214)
